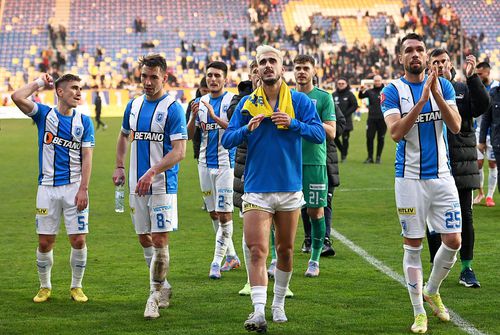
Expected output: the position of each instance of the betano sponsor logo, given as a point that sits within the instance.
(428, 117)
(209, 126)
(147, 136)
(50, 138)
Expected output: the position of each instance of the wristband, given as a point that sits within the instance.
(40, 82)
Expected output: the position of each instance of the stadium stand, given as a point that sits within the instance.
(355, 38)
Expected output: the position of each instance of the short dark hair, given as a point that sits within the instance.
(483, 65)
(301, 59)
(203, 82)
(438, 52)
(412, 36)
(219, 66)
(153, 60)
(65, 78)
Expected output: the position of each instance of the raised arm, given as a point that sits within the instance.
(21, 96)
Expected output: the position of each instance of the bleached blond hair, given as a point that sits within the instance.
(262, 49)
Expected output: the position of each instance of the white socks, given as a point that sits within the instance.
(159, 268)
(492, 181)
(222, 238)
(412, 269)
(281, 281)
(44, 263)
(78, 261)
(259, 298)
(148, 255)
(443, 262)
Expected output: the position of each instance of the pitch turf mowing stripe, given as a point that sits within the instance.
(455, 318)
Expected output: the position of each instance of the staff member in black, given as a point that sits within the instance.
(375, 123)
(472, 101)
(348, 104)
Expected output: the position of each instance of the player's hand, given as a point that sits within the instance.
(210, 109)
(195, 108)
(362, 88)
(434, 82)
(81, 199)
(48, 80)
(481, 147)
(255, 122)
(426, 91)
(119, 176)
(281, 119)
(144, 183)
(470, 66)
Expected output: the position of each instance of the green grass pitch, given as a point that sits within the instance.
(349, 297)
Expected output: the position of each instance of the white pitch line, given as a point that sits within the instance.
(455, 318)
(367, 189)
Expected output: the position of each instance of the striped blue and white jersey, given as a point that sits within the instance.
(423, 152)
(212, 153)
(152, 126)
(60, 142)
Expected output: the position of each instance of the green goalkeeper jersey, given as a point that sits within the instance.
(315, 154)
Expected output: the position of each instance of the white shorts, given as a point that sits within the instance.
(433, 202)
(490, 155)
(51, 202)
(217, 188)
(155, 213)
(273, 202)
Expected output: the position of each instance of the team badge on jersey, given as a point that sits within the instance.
(159, 117)
(78, 131)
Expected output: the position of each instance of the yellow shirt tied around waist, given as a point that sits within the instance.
(257, 103)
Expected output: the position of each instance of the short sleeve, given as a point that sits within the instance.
(176, 123)
(126, 118)
(448, 92)
(389, 101)
(328, 112)
(39, 111)
(88, 140)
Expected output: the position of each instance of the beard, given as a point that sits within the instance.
(413, 70)
(271, 81)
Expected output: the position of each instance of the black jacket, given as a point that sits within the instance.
(332, 160)
(197, 132)
(472, 101)
(348, 105)
(244, 89)
(491, 119)
(373, 95)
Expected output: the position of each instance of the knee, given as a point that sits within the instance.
(78, 241)
(257, 253)
(45, 245)
(453, 241)
(285, 253)
(315, 213)
(160, 240)
(224, 217)
(145, 240)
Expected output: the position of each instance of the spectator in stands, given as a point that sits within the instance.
(348, 104)
(375, 123)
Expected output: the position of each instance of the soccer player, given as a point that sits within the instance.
(155, 124)
(483, 71)
(65, 145)
(216, 164)
(418, 110)
(272, 120)
(375, 123)
(472, 101)
(314, 176)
